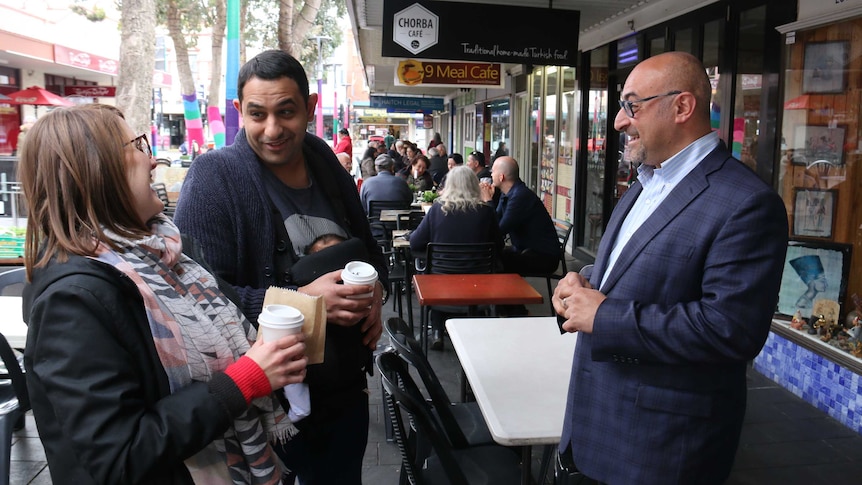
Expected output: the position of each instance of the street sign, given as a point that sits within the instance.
(415, 28)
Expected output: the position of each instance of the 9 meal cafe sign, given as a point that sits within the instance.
(411, 28)
(411, 72)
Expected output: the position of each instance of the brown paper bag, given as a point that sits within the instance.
(313, 309)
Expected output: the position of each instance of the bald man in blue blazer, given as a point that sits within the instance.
(681, 295)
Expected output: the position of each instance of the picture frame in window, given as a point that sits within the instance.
(813, 144)
(813, 270)
(814, 212)
(825, 66)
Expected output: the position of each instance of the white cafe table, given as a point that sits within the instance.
(12, 324)
(519, 371)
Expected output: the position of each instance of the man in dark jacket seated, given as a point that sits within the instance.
(535, 247)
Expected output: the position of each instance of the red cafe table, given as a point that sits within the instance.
(470, 290)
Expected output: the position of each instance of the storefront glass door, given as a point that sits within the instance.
(597, 112)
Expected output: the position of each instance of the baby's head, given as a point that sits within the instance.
(322, 242)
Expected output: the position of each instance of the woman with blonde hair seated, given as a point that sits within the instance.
(140, 370)
(458, 216)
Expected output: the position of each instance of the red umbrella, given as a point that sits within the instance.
(39, 97)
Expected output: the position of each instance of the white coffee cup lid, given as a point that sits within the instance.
(360, 270)
(281, 315)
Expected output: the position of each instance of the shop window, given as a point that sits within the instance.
(684, 41)
(55, 84)
(569, 121)
(712, 43)
(656, 46)
(746, 110)
(548, 161)
(597, 113)
(500, 134)
(819, 180)
(536, 118)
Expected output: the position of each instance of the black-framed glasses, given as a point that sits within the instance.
(142, 144)
(629, 106)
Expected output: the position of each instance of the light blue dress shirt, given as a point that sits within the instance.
(657, 184)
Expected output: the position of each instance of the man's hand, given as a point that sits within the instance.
(340, 309)
(577, 301)
(372, 328)
(486, 192)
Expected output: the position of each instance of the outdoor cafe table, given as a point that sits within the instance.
(391, 215)
(471, 290)
(12, 324)
(519, 371)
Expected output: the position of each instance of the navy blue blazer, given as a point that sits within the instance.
(657, 392)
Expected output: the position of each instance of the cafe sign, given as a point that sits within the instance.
(90, 91)
(411, 27)
(411, 72)
(85, 60)
(415, 28)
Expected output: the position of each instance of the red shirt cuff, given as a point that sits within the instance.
(249, 378)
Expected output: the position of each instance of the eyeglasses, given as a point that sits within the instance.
(629, 106)
(142, 143)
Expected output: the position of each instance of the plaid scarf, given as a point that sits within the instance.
(198, 331)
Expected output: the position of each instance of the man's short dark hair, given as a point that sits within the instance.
(459, 160)
(270, 65)
(480, 157)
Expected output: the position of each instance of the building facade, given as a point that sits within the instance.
(786, 98)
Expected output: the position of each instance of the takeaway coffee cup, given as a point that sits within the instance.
(276, 321)
(359, 273)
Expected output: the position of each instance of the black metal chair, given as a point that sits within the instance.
(12, 281)
(564, 232)
(410, 220)
(444, 464)
(455, 258)
(400, 274)
(162, 192)
(382, 231)
(14, 404)
(463, 422)
(460, 258)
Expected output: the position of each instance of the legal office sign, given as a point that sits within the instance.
(415, 28)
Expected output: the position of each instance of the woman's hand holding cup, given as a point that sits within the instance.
(280, 347)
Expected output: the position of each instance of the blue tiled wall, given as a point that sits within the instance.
(835, 390)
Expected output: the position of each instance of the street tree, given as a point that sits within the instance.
(184, 19)
(219, 24)
(298, 24)
(137, 58)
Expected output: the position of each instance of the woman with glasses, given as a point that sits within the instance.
(458, 216)
(139, 368)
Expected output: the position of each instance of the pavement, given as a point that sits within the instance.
(785, 441)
